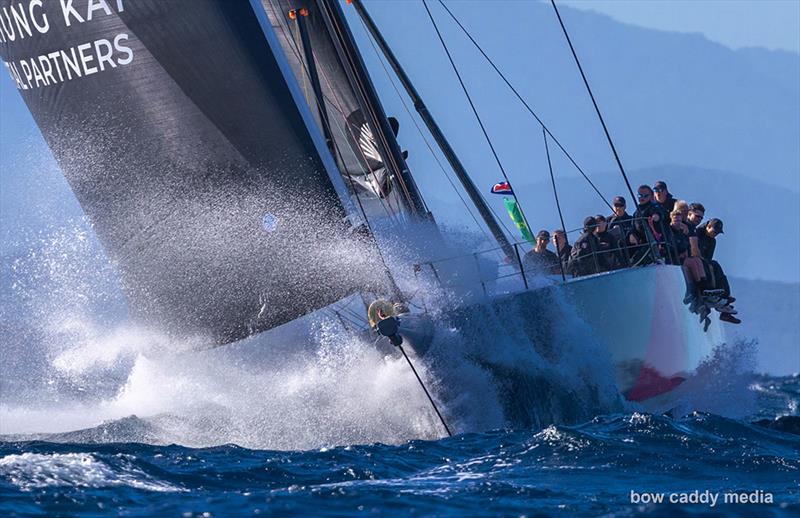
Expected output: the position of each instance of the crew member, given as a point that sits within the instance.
(707, 242)
(563, 249)
(663, 196)
(696, 214)
(606, 244)
(620, 219)
(650, 220)
(582, 258)
(540, 260)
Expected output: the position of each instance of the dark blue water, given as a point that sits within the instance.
(588, 469)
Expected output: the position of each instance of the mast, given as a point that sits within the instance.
(441, 140)
(374, 113)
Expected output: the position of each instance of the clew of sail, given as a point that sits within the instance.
(208, 185)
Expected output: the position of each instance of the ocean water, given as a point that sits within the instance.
(100, 417)
(610, 465)
(603, 466)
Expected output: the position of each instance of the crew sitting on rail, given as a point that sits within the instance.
(686, 246)
(707, 240)
(620, 223)
(663, 196)
(607, 249)
(680, 233)
(583, 259)
(696, 214)
(539, 260)
(650, 220)
(563, 249)
(652, 234)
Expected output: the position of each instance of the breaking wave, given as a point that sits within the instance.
(588, 469)
(30, 471)
(78, 371)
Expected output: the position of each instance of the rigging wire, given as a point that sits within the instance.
(594, 102)
(474, 109)
(524, 103)
(425, 389)
(558, 204)
(422, 134)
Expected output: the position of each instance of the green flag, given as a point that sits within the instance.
(519, 221)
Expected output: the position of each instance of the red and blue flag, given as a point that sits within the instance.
(502, 188)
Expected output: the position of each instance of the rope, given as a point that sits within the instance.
(524, 103)
(421, 384)
(474, 109)
(594, 102)
(558, 204)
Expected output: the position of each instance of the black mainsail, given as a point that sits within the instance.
(182, 132)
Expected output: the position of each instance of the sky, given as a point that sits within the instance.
(771, 24)
(768, 24)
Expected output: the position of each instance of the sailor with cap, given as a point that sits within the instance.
(581, 260)
(620, 218)
(540, 260)
(707, 241)
(707, 238)
(663, 196)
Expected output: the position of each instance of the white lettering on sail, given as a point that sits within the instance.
(7, 25)
(86, 58)
(68, 11)
(72, 64)
(47, 69)
(104, 54)
(122, 48)
(21, 21)
(37, 74)
(26, 19)
(52, 56)
(95, 5)
(41, 22)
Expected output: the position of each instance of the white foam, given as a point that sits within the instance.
(721, 383)
(325, 388)
(30, 471)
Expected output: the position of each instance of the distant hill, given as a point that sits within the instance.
(762, 229)
(668, 98)
(769, 314)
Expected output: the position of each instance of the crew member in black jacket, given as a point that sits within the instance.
(707, 242)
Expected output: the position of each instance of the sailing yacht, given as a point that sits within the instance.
(238, 167)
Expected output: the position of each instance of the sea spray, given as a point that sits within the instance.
(518, 365)
(721, 383)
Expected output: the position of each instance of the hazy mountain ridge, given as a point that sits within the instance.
(736, 110)
(769, 314)
(667, 97)
(762, 233)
